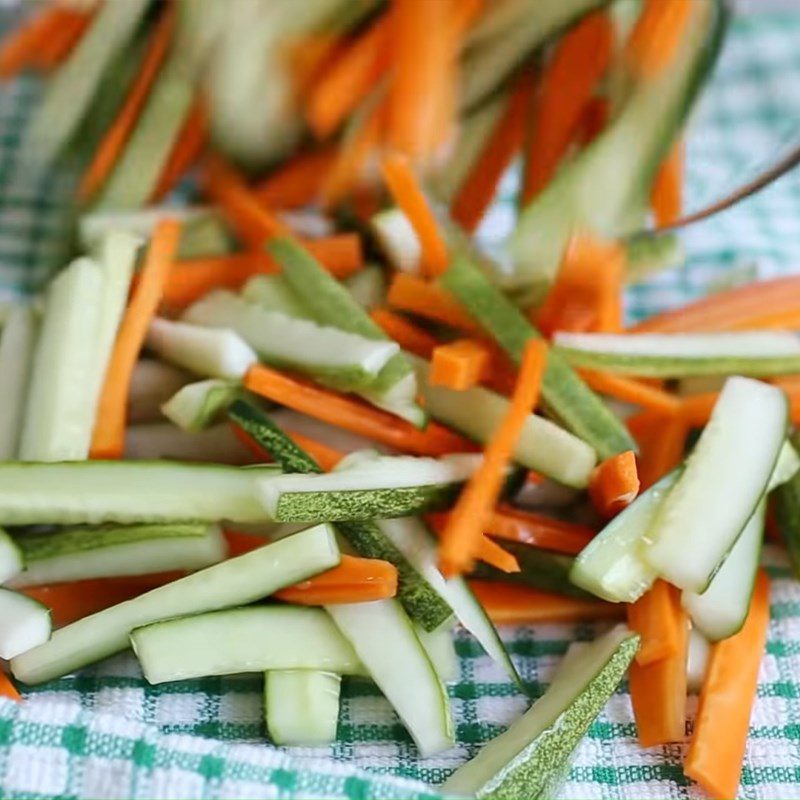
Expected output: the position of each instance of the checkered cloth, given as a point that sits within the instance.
(106, 733)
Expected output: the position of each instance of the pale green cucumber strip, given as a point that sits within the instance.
(17, 346)
(237, 581)
(647, 254)
(368, 287)
(11, 561)
(196, 405)
(59, 417)
(214, 445)
(677, 355)
(417, 544)
(787, 466)
(422, 602)
(720, 611)
(397, 240)
(272, 293)
(386, 643)
(301, 706)
(208, 352)
(565, 394)
(136, 175)
(24, 623)
(697, 655)
(75, 554)
(73, 87)
(542, 445)
(532, 757)
(331, 304)
(236, 640)
(441, 651)
(93, 492)
(787, 514)
(612, 566)
(725, 476)
(335, 356)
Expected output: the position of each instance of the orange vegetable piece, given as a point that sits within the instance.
(299, 181)
(656, 35)
(185, 152)
(425, 299)
(459, 365)
(614, 484)
(409, 336)
(666, 196)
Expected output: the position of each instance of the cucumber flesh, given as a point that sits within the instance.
(476, 412)
(217, 444)
(441, 651)
(725, 477)
(195, 406)
(368, 287)
(153, 383)
(17, 346)
(398, 240)
(301, 706)
(236, 640)
(646, 254)
(93, 492)
(385, 641)
(273, 293)
(75, 554)
(24, 623)
(532, 756)
(698, 653)
(676, 355)
(244, 579)
(720, 611)
(343, 359)
(209, 352)
(11, 561)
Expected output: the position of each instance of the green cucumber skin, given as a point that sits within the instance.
(564, 393)
(786, 507)
(420, 601)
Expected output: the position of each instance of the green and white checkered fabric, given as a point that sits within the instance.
(105, 733)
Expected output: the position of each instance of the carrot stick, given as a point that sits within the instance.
(342, 254)
(185, 151)
(7, 688)
(350, 79)
(312, 57)
(666, 195)
(593, 120)
(661, 448)
(480, 186)
(409, 336)
(108, 439)
(630, 390)
(509, 604)
(55, 49)
(614, 484)
(353, 415)
(656, 36)
(579, 62)
(473, 508)
(716, 750)
(408, 195)
(654, 616)
(658, 687)
(488, 551)
(424, 299)
(298, 182)
(115, 139)
(459, 365)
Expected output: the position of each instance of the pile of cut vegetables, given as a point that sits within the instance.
(306, 428)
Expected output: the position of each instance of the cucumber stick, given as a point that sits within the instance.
(697, 656)
(565, 394)
(236, 640)
(24, 623)
(330, 303)
(421, 601)
(195, 406)
(477, 411)
(397, 239)
(441, 651)
(17, 346)
(74, 85)
(237, 581)
(75, 554)
(678, 355)
(93, 492)
(368, 287)
(532, 757)
(725, 477)
(344, 360)
(301, 706)
(209, 352)
(385, 641)
(59, 418)
(272, 293)
(216, 444)
(11, 561)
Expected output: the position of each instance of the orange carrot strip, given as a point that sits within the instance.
(20, 47)
(658, 687)
(185, 152)
(661, 448)
(354, 415)
(108, 439)
(350, 79)
(666, 195)
(408, 195)
(594, 119)
(409, 336)
(631, 390)
(614, 484)
(654, 616)
(342, 254)
(327, 457)
(55, 49)
(115, 139)
(312, 56)
(7, 688)
(656, 35)
(473, 508)
(424, 299)
(354, 580)
(298, 182)
(781, 320)
(716, 750)
(488, 551)
(480, 186)
(508, 604)
(579, 62)
(695, 410)
(459, 365)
